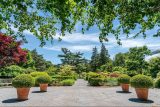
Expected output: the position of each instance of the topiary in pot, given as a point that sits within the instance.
(23, 83)
(141, 83)
(43, 81)
(124, 80)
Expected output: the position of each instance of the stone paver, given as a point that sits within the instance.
(79, 95)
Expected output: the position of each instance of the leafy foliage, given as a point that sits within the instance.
(23, 81)
(141, 81)
(43, 20)
(11, 71)
(35, 74)
(96, 81)
(124, 79)
(10, 51)
(157, 83)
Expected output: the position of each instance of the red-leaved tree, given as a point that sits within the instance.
(10, 51)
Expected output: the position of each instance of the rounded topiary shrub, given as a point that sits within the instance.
(23, 81)
(43, 79)
(96, 81)
(157, 83)
(67, 82)
(124, 79)
(141, 81)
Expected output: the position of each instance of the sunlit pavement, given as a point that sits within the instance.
(79, 95)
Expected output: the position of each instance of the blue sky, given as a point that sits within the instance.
(85, 42)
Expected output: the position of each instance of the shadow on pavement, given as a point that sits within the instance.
(39, 91)
(140, 101)
(12, 100)
(123, 92)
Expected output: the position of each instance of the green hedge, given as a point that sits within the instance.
(60, 78)
(96, 81)
(124, 79)
(22, 81)
(35, 74)
(141, 81)
(67, 82)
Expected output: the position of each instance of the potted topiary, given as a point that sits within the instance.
(124, 81)
(141, 83)
(43, 81)
(23, 83)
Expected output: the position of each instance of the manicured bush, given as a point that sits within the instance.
(60, 78)
(22, 81)
(124, 79)
(67, 82)
(96, 81)
(43, 79)
(35, 74)
(92, 75)
(157, 83)
(141, 81)
(111, 81)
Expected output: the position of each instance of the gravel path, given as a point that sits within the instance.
(79, 95)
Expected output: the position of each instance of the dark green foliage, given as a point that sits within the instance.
(124, 79)
(141, 81)
(43, 79)
(22, 81)
(131, 73)
(96, 81)
(157, 83)
(154, 66)
(94, 60)
(67, 82)
(11, 71)
(103, 56)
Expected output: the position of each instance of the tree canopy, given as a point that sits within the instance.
(44, 18)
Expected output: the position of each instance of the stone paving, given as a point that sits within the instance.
(79, 95)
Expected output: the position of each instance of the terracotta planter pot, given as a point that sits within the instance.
(43, 87)
(125, 87)
(22, 93)
(142, 93)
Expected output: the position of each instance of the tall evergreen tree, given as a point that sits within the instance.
(104, 56)
(94, 59)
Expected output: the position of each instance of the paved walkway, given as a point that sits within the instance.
(79, 95)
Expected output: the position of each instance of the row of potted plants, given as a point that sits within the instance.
(24, 82)
(141, 83)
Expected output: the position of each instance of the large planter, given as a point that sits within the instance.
(22, 93)
(43, 87)
(125, 87)
(142, 93)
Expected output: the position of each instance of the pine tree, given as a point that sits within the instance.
(104, 56)
(94, 59)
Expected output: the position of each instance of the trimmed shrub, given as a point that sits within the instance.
(92, 75)
(141, 81)
(157, 83)
(124, 79)
(22, 81)
(67, 82)
(111, 81)
(96, 81)
(114, 74)
(60, 78)
(43, 79)
(35, 74)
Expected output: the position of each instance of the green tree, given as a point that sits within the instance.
(103, 56)
(94, 60)
(154, 66)
(41, 17)
(119, 59)
(136, 59)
